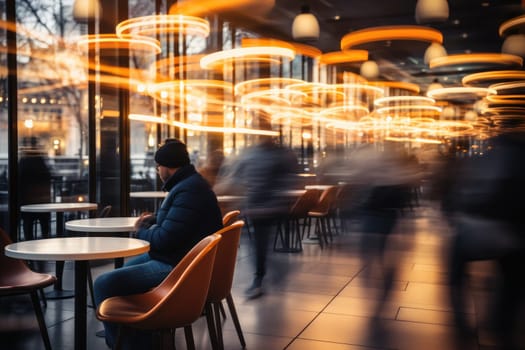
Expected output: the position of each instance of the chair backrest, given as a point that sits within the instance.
(15, 275)
(10, 268)
(305, 203)
(327, 200)
(230, 217)
(104, 213)
(179, 299)
(224, 267)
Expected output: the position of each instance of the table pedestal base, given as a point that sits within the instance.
(59, 294)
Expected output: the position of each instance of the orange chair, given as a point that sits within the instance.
(289, 235)
(230, 217)
(221, 283)
(17, 278)
(322, 212)
(177, 302)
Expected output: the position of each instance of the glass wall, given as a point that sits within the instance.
(90, 113)
(3, 129)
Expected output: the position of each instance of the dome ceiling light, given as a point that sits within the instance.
(305, 26)
(431, 11)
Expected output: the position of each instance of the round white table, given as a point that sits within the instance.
(103, 225)
(80, 250)
(148, 194)
(122, 224)
(318, 187)
(155, 195)
(59, 209)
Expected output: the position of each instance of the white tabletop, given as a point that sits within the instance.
(77, 248)
(112, 224)
(317, 187)
(58, 207)
(148, 194)
(294, 193)
(229, 198)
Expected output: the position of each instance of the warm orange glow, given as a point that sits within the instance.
(512, 23)
(222, 57)
(400, 85)
(492, 76)
(225, 130)
(359, 90)
(113, 42)
(306, 50)
(147, 118)
(202, 92)
(460, 92)
(203, 128)
(255, 42)
(407, 100)
(511, 85)
(499, 59)
(346, 111)
(272, 96)
(163, 24)
(264, 83)
(506, 99)
(206, 7)
(300, 49)
(384, 33)
(349, 56)
(408, 109)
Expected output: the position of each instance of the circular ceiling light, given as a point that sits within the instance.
(340, 57)
(221, 57)
(163, 24)
(388, 33)
(496, 59)
(460, 93)
(111, 43)
(511, 24)
(493, 77)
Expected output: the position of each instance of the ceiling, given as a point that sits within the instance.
(472, 27)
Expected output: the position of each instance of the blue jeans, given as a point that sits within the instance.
(138, 275)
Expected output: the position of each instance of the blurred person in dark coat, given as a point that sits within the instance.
(263, 172)
(34, 187)
(385, 179)
(210, 169)
(485, 210)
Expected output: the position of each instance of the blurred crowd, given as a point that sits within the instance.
(479, 197)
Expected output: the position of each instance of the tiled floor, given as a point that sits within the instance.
(318, 299)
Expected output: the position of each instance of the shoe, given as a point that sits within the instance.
(255, 290)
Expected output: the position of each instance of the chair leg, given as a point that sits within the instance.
(118, 340)
(218, 326)
(319, 232)
(223, 313)
(235, 319)
(188, 334)
(90, 285)
(40, 319)
(43, 297)
(210, 320)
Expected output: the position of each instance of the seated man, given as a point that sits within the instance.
(188, 213)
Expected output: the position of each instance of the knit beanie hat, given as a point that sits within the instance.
(172, 154)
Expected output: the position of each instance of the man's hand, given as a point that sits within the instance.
(145, 219)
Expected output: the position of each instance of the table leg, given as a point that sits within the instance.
(81, 268)
(58, 292)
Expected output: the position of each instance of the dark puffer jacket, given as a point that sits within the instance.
(188, 213)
